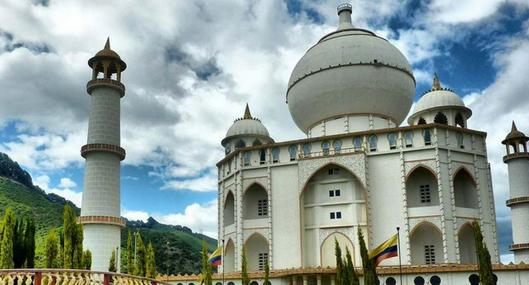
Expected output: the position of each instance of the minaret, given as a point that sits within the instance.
(517, 160)
(100, 211)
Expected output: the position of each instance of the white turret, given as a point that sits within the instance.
(517, 159)
(100, 211)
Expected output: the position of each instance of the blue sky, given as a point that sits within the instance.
(192, 66)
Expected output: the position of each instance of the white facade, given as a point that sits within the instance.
(101, 211)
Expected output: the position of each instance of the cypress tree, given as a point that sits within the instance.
(130, 263)
(150, 268)
(139, 269)
(267, 273)
(19, 254)
(29, 243)
(339, 265)
(368, 264)
(78, 247)
(112, 262)
(6, 256)
(484, 263)
(52, 250)
(245, 279)
(206, 267)
(87, 260)
(351, 272)
(69, 232)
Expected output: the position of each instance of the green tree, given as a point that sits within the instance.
(19, 251)
(78, 248)
(130, 262)
(267, 272)
(245, 279)
(339, 264)
(351, 272)
(69, 232)
(112, 262)
(8, 224)
(368, 264)
(29, 243)
(206, 267)
(139, 268)
(87, 259)
(486, 276)
(52, 250)
(150, 269)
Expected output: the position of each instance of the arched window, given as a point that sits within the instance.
(247, 157)
(421, 188)
(257, 248)
(373, 143)
(306, 149)
(392, 138)
(422, 121)
(227, 149)
(467, 245)
(460, 122)
(229, 257)
(293, 151)
(460, 142)
(240, 144)
(466, 195)
(427, 137)
(325, 145)
(426, 245)
(262, 156)
(408, 138)
(275, 154)
(357, 142)
(255, 203)
(337, 145)
(256, 142)
(229, 210)
(440, 118)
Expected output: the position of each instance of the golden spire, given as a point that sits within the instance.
(247, 114)
(107, 44)
(436, 84)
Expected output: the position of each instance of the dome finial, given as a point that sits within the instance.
(247, 114)
(107, 44)
(513, 128)
(436, 85)
(344, 14)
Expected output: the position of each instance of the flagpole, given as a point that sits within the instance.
(400, 262)
(222, 258)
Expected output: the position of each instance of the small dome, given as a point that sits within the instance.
(438, 98)
(107, 53)
(247, 126)
(515, 135)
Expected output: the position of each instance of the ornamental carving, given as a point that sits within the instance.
(409, 166)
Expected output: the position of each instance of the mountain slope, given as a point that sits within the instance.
(177, 248)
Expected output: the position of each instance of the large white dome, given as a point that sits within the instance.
(350, 71)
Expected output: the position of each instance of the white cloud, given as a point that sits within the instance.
(67, 183)
(507, 258)
(135, 215)
(63, 190)
(206, 183)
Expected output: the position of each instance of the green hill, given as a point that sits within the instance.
(177, 248)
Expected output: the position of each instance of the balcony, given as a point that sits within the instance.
(101, 82)
(426, 211)
(256, 223)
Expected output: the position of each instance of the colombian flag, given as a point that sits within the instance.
(386, 250)
(215, 259)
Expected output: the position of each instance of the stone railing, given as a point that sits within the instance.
(329, 152)
(98, 82)
(70, 277)
(103, 147)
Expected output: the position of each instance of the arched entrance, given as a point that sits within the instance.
(255, 203)
(467, 245)
(328, 257)
(421, 188)
(229, 256)
(465, 192)
(426, 244)
(256, 252)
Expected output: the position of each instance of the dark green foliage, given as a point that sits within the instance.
(52, 250)
(206, 267)
(24, 243)
(150, 267)
(339, 265)
(486, 276)
(267, 273)
(112, 262)
(140, 262)
(345, 271)
(368, 264)
(87, 260)
(78, 249)
(245, 279)
(352, 276)
(12, 171)
(130, 255)
(69, 231)
(29, 244)
(6, 253)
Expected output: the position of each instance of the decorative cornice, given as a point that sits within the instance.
(101, 82)
(517, 200)
(102, 147)
(518, 246)
(101, 220)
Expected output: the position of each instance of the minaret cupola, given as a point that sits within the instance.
(107, 67)
(516, 144)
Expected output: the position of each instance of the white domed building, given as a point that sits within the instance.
(359, 169)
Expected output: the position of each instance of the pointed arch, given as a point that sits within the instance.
(440, 118)
(255, 202)
(421, 121)
(459, 121)
(465, 189)
(421, 187)
(229, 256)
(426, 244)
(467, 244)
(327, 250)
(240, 144)
(327, 165)
(229, 209)
(257, 249)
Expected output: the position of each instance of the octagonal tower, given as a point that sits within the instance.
(100, 211)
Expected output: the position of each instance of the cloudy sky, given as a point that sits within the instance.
(192, 66)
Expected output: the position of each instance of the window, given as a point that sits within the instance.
(275, 155)
(293, 150)
(422, 121)
(373, 143)
(429, 254)
(392, 138)
(229, 167)
(262, 208)
(256, 142)
(334, 193)
(263, 259)
(325, 145)
(334, 171)
(240, 144)
(408, 138)
(262, 156)
(335, 215)
(427, 137)
(460, 143)
(247, 156)
(357, 142)
(337, 145)
(440, 118)
(331, 193)
(338, 215)
(460, 122)
(424, 192)
(306, 149)
(227, 149)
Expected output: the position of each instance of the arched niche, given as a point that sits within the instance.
(256, 252)
(467, 245)
(426, 244)
(229, 209)
(440, 118)
(255, 202)
(421, 188)
(421, 121)
(229, 256)
(465, 192)
(459, 120)
(327, 252)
